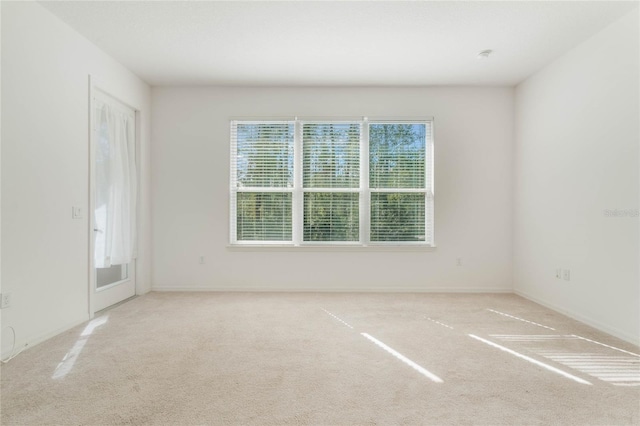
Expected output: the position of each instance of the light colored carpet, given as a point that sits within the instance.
(287, 358)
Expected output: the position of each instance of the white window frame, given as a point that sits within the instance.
(297, 191)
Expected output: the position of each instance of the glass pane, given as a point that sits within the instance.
(397, 216)
(263, 216)
(331, 216)
(397, 155)
(265, 155)
(110, 275)
(331, 155)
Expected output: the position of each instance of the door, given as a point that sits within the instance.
(113, 201)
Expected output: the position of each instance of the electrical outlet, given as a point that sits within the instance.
(559, 273)
(5, 300)
(566, 274)
(459, 261)
(201, 260)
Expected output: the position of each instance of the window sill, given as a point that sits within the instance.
(329, 248)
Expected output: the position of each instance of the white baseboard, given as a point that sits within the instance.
(29, 342)
(582, 318)
(335, 289)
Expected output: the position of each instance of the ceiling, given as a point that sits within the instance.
(336, 43)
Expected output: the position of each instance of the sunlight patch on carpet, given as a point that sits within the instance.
(440, 323)
(338, 318)
(66, 365)
(619, 368)
(520, 319)
(531, 360)
(403, 358)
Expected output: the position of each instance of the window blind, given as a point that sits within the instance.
(264, 216)
(264, 154)
(262, 180)
(397, 216)
(331, 168)
(397, 155)
(331, 216)
(331, 155)
(399, 181)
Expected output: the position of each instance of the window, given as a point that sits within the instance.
(263, 181)
(336, 182)
(331, 181)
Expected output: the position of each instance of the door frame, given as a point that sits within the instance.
(97, 88)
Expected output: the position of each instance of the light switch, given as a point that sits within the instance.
(76, 212)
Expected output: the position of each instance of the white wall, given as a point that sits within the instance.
(45, 94)
(576, 155)
(190, 185)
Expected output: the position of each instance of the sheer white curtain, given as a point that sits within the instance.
(116, 186)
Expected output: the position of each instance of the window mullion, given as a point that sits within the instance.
(298, 194)
(365, 212)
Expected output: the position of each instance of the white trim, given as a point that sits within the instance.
(288, 118)
(297, 207)
(263, 289)
(114, 284)
(329, 246)
(630, 338)
(333, 118)
(336, 190)
(429, 210)
(91, 202)
(233, 176)
(400, 190)
(365, 194)
(258, 120)
(265, 243)
(392, 120)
